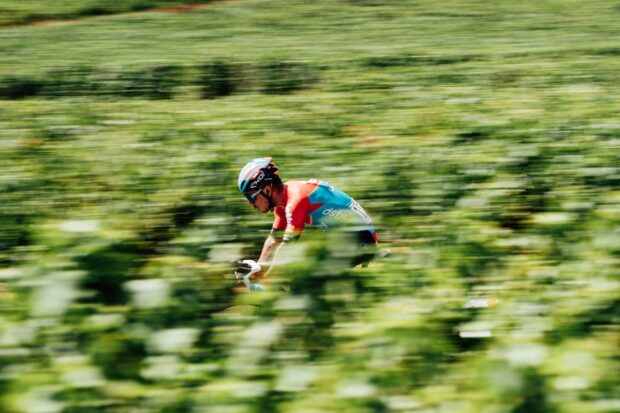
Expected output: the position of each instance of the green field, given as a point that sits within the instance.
(482, 137)
(14, 13)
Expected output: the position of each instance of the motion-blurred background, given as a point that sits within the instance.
(482, 137)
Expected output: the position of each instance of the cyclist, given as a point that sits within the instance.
(299, 203)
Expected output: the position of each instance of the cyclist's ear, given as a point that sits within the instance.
(267, 190)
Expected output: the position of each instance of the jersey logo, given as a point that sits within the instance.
(333, 213)
(289, 215)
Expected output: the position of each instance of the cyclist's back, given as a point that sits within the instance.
(319, 204)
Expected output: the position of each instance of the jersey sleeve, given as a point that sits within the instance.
(295, 212)
(279, 223)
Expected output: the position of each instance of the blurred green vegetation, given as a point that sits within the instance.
(483, 138)
(33, 11)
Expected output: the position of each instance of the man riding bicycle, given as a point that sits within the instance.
(299, 203)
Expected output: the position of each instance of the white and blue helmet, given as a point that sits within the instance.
(255, 175)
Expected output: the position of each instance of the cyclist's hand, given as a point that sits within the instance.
(243, 268)
(247, 270)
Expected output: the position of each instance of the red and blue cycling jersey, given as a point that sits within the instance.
(318, 204)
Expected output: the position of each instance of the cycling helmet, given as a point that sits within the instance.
(255, 175)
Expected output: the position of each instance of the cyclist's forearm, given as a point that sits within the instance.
(269, 249)
(274, 257)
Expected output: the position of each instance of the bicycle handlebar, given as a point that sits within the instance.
(245, 269)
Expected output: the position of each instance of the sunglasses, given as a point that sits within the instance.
(252, 197)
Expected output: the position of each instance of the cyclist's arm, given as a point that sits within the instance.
(287, 226)
(271, 251)
(269, 247)
(268, 256)
(272, 243)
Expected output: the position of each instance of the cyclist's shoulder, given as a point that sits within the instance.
(298, 183)
(301, 189)
(313, 188)
(298, 192)
(294, 183)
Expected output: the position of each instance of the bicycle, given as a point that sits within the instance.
(245, 269)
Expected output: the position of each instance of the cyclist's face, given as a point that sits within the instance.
(262, 204)
(261, 201)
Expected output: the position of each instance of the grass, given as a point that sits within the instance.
(265, 30)
(39, 11)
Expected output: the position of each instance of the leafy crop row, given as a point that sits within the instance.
(213, 80)
(16, 13)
